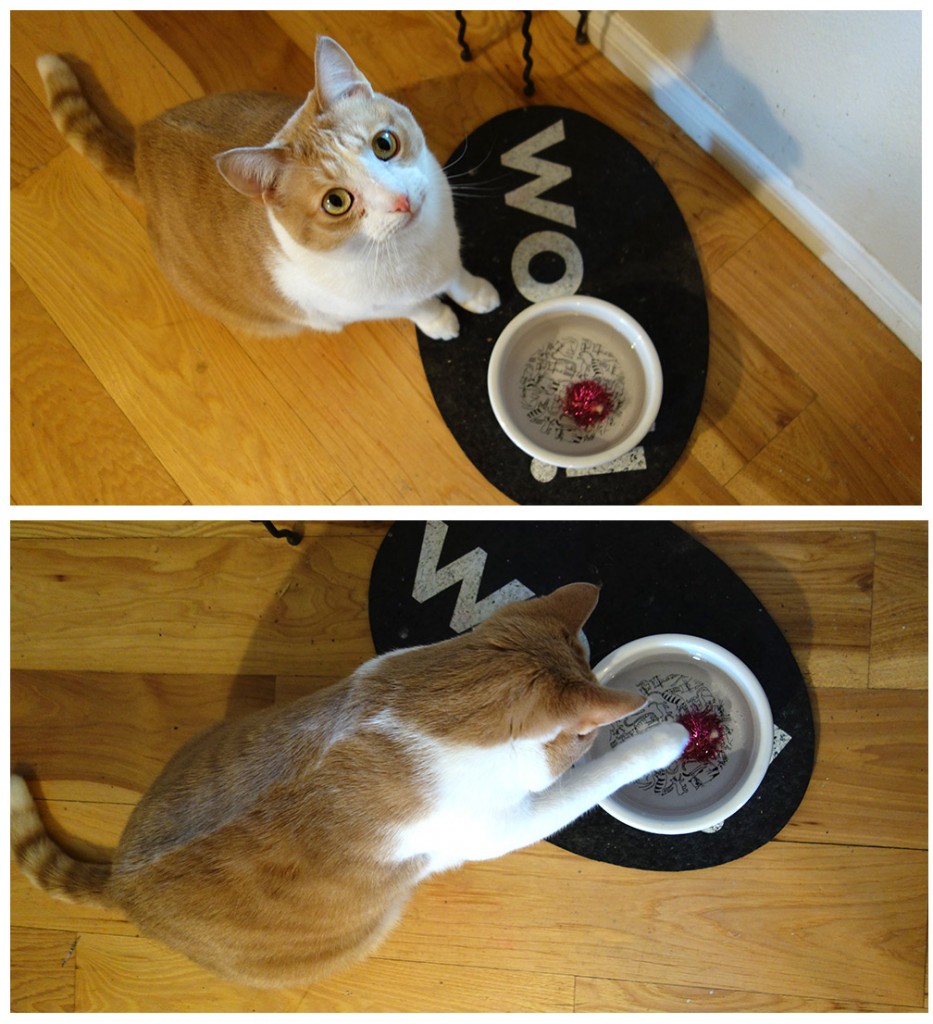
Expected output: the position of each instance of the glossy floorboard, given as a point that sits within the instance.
(127, 638)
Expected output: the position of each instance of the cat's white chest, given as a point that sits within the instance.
(363, 281)
(476, 796)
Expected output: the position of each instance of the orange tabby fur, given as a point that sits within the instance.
(265, 849)
(235, 188)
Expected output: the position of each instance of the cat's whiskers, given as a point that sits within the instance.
(383, 256)
(481, 190)
(466, 150)
(379, 253)
(469, 189)
(372, 261)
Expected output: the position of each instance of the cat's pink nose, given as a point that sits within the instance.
(402, 205)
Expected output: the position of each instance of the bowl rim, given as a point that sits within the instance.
(742, 675)
(609, 314)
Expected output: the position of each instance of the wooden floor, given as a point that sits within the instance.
(129, 637)
(122, 394)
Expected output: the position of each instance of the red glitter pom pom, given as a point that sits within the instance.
(707, 735)
(587, 402)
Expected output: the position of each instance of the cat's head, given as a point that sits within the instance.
(522, 675)
(553, 692)
(350, 163)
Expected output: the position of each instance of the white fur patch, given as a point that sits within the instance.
(365, 279)
(475, 793)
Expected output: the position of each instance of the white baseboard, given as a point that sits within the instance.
(673, 93)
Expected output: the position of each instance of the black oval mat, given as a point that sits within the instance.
(431, 581)
(553, 202)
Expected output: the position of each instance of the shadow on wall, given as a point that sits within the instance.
(691, 44)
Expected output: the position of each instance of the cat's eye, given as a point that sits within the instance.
(386, 145)
(337, 202)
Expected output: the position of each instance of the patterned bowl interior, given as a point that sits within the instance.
(689, 795)
(550, 347)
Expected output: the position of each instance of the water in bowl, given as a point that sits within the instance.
(673, 687)
(576, 348)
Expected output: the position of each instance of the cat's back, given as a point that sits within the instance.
(211, 241)
(319, 771)
(216, 779)
(261, 851)
(175, 153)
(221, 120)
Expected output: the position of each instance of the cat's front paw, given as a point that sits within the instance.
(441, 323)
(483, 299)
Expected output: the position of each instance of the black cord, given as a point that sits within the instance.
(582, 37)
(526, 53)
(461, 37)
(292, 536)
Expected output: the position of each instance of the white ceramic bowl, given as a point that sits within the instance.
(555, 343)
(678, 673)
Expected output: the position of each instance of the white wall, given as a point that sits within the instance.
(816, 112)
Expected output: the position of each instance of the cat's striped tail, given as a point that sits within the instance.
(46, 865)
(109, 151)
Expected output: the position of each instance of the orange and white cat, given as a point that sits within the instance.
(276, 215)
(281, 846)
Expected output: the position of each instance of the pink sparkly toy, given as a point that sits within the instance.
(587, 402)
(707, 736)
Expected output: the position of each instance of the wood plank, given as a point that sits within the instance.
(34, 987)
(372, 987)
(118, 729)
(693, 480)
(823, 922)
(720, 213)
(755, 945)
(815, 583)
(290, 687)
(869, 784)
(75, 529)
(186, 386)
(129, 973)
(353, 497)
(104, 47)
(751, 393)
(714, 451)
(121, 973)
(247, 52)
(606, 995)
(400, 450)
(558, 914)
(900, 610)
(819, 459)
(892, 577)
(870, 389)
(58, 408)
(192, 605)
(33, 138)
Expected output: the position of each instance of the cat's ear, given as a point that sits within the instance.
(335, 74)
(601, 706)
(252, 170)
(573, 604)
